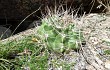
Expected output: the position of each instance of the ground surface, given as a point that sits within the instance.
(96, 31)
(94, 54)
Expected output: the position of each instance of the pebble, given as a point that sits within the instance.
(34, 24)
(107, 64)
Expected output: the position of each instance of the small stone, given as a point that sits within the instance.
(34, 24)
(94, 40)
(25, 68)
(90, 67)
(107, 64)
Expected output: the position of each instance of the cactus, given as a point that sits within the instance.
(57, 36)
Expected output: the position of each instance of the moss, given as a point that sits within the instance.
(107, 52)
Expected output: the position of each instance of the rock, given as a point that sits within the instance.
(107, 64)
(4, 32)
(34, 24)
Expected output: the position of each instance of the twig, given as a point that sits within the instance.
(25, 19)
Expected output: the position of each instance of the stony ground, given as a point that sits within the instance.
(96, 31)
(94, 53)
(92, 56)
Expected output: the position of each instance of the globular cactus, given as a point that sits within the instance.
(58, 36)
